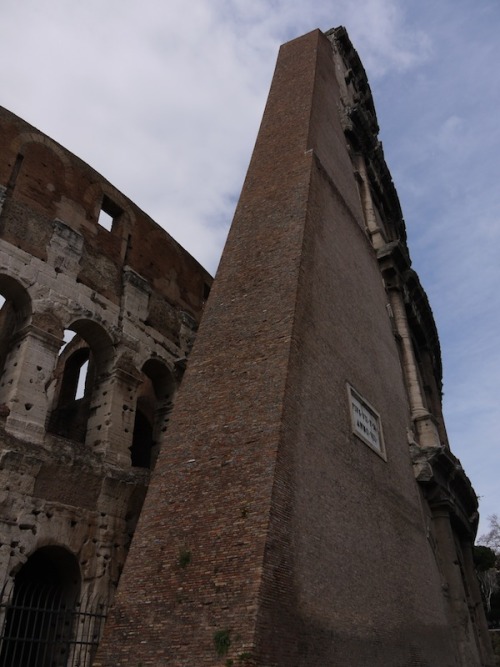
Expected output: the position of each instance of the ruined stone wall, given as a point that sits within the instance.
(308, 511)
(82, 420)
(306, 508)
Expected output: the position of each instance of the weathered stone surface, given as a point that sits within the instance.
(74, 467)
(306, 545)
(277, 530)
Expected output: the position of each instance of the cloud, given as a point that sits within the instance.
(165, 101)
(164, 105)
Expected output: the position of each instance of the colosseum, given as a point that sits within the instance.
(101, 309)
(305, 507)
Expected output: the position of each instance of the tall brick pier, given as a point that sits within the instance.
(288, 521)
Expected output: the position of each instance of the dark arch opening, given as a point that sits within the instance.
(154, 403)
(38, 625)
(15, 313)
(69, 418)
(83, 361)
(142, 443)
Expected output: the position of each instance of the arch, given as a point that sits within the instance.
(153, 407)
(15, 313)
(23, 140)
(15, 293)
(90, 350)
(38, 626)
(98, 340)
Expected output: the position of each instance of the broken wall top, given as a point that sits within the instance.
(43, 185)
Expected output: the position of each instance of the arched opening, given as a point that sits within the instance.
(83, 360)
(142, 444)
(154, 404)
(38, 627)
(15, 313)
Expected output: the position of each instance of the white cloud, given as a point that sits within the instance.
(164, 99)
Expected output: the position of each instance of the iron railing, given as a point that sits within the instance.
(40, 627)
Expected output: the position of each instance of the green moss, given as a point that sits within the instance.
(222, 642)
(184, 558)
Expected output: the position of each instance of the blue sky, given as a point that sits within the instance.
(165, 99)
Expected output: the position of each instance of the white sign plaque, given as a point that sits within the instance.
(366, 422)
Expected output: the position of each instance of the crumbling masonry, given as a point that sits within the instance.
(305, 508)
(77, 447)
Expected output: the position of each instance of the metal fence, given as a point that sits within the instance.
(41, 628)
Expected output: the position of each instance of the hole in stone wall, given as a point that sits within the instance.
(105, 220)
(109, 213)
(76, 355)
(72, 389)
(82, 380)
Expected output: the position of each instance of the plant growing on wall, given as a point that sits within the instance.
(222, 642)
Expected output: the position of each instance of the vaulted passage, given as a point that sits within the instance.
(38, 629)
(154, 404)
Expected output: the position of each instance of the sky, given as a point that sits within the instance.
(164, 99)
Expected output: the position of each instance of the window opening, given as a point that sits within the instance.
(81, 370)
(154, 404)
(74, 356)
(67, 338)
(105, 220)
(142, 442)
(82, 380)
(108, 214)
(74, 379)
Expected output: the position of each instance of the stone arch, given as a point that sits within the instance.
(43, 170)
(25, 138)
(15, 314)
(38, 624)
(153, 406)
(12, 290)
(91, 346)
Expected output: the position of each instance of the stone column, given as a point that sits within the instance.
(28, 367)
(136, 293)
(110, 426)
(374, 229)
(425, 425)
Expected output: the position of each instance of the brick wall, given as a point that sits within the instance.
(269, 528)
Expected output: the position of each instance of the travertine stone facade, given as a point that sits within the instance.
(81, 422)
(308, 510)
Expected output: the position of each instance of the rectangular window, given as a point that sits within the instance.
(109, 213)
